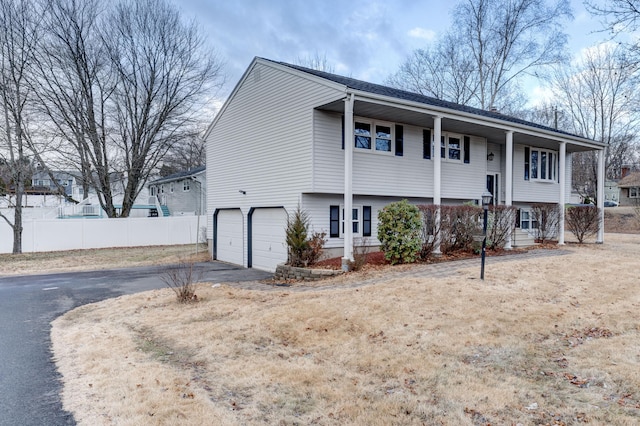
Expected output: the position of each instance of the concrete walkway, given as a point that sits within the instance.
(437, 270)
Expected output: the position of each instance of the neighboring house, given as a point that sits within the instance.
(611, 191)
(289, 136)
(630, 189)
(181, 193)
(41, 180)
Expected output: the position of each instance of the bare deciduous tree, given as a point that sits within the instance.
(19, 21)
(599, 94)
(490, 47)
(122, 86)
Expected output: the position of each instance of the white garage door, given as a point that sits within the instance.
(268, 243)
(230, 244)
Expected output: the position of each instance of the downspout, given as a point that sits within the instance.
(348, 181)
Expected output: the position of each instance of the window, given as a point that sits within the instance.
(186, 185)
(634, 192)
(171, 187)
(161, 189)
(540, 164)
(360, 221)
(153, 191)
(453, 149)
(526, 220)
(376, 137)
(362, 135)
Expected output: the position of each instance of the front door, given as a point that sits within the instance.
(493, 186)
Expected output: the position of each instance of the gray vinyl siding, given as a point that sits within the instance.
(531, 191)
(385, 174)
(262, 141)
(466, 181)
(317, 206)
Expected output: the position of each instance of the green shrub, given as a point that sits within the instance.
(399, 232)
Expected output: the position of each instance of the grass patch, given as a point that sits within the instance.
(540, 341)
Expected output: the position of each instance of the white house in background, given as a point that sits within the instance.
(289, 136)
(181, 193)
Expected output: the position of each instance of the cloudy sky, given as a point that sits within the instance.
(364, 39)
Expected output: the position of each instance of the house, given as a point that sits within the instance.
(629, 187)
(181, 193)
(42, 180)
(289, 136)
(611, 191)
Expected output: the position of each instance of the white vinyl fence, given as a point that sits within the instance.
(72, 234)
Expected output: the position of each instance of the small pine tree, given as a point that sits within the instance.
(297, 241)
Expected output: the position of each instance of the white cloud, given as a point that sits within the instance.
(422, 33)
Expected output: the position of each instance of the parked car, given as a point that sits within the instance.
(608, 203)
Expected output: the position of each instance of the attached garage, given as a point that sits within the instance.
(267, 238)
(229, 239)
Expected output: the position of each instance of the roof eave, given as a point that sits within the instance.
(456, 114)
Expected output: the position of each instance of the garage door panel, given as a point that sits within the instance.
(230, 242)
(268, 243)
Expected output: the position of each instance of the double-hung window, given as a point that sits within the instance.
(454, 147)
(540, 164)
(634, 192)
(373, 136)
(360, 221)
(186, 186)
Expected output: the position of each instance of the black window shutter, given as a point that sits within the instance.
(426, 144)
(366, 221)
(399, 140)
(518, 218)
(467, 149)
(526, 162)
(342, 120)
(334, 221)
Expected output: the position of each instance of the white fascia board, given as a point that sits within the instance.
(475, 119)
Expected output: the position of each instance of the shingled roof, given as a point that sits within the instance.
(179, 175)
(632, 179)
(378, 89)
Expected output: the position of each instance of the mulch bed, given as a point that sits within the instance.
(376, 259)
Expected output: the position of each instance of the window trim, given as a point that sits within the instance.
(361, 224)
(551, 166)
(373, 136)
(186, 185)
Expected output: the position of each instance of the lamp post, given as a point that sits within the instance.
(486, 200)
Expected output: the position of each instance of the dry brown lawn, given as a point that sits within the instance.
(553, 340)
(95, 259)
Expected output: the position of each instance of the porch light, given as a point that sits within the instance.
(490, 156)
(486, 200)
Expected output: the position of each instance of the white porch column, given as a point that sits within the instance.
(600, 196)
(508, 180)
(437, 177)
(562, 182)
(348, 182)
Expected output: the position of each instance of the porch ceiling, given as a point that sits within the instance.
(425, 119)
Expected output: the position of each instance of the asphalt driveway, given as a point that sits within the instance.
(29, 383)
